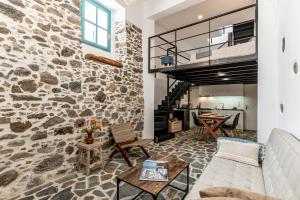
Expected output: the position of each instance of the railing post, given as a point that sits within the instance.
(209, 42)
(256, 24)
(168, 96)
(149, 54)
(189, 96)
(176, 49)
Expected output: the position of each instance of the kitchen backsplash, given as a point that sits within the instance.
(221, 102)
(227, 102)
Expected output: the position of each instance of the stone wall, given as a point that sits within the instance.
(47, 86)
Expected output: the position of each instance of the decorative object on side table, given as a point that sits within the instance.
(88, 147)
(92, 126)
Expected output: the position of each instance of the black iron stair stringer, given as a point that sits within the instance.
(161, 115)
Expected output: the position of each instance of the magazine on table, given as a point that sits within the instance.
(154, 170)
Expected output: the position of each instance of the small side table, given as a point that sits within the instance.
(88, 148)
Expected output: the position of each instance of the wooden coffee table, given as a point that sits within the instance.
(132, 175)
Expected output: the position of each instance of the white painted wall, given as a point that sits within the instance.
(134, 12)
(160, 91)
(289, 83)
(149, 81)
(250, 106)
(277, 82)
(268, 48)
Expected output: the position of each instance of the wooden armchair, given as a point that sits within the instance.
(125, 138)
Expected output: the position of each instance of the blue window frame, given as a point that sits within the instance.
(96, 25)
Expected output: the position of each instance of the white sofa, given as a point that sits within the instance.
(278, 176)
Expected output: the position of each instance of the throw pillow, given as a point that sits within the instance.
(261, 154)
(228, 192)
(220, 198)
(241, 152)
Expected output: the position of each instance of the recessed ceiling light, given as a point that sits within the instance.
(221, 74)
(200, 16)
(226, 79)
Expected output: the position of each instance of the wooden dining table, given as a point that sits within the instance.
(212, 122)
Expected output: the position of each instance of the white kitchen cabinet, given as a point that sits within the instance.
(221, 90)
(205, 91)
(228, 90)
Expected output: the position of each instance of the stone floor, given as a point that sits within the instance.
(101, 184)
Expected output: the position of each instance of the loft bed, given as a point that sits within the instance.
(228, 54)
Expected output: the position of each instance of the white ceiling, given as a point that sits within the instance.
(208, 8)
(128, 2)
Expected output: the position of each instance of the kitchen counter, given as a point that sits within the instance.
(208, 109)
(222, 109)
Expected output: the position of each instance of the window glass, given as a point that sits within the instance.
(102, 19)
(96, 25)
(90, 32)
(102, 37)
(90, 12)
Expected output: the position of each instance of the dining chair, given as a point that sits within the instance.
(199, 125)
(232, 127)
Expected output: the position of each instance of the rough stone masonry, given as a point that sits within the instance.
(47, 86)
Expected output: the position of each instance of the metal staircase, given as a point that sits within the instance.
(161, 115)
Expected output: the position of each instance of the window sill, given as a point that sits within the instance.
(108, 50)
(104, 60)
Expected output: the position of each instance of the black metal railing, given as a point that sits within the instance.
(204, 47)
(170, 46)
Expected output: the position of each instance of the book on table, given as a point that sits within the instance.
(154, 170)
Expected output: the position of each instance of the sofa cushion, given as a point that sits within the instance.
(261, 153)
(232, 150)
(221, 172)
(233, 193)
(220, 198)
(281, 166)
